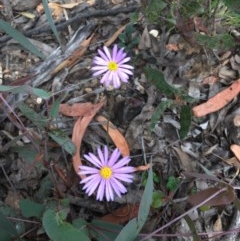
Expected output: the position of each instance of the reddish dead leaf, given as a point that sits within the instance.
(223, 198)
(142, 168)
(77, 109)
(236, 150)
(210, 80)
(122, 214)
(71, 60)
(115, 36)
(232, 162)
(173, 47)
(218, 101)
(80, 127)
(115, 135)
(199, 25)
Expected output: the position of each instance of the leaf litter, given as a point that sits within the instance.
(186, 121)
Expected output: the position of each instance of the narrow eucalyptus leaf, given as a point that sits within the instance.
(185, 121)
(20, 38)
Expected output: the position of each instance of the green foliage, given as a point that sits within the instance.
(7, 229)
(59, 230)
(133, 227)
(25, 89)
(31, 209)
(154, 9)
(219, 41)
(234, 5)
(63, 140)
(172, 183)
(156, 178)
(20, 38)
(50, 20)
(36, 118)
(185, 121)
(158, 79)
(157, 199)
(126, 38)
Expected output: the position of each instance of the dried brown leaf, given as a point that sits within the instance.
(80, 128)
(223, 198)
(115, 135)
(122, 214)
(115, 36)
(218, 101)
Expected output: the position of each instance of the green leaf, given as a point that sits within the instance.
(218, 41)
(234, 5)
(185, 121)
(54, 109)
(50, 20)
(133, 227)
(103, 231)
(20, 38)
(59, 230)
(158, 79)
(157, 199)
(25, 88)
(7, 229)
(31, 209)
(159, 112)
(27, 152)
(63, 141)
(38, 120)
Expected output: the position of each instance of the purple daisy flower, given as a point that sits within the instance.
(113, 66)
(107, 175)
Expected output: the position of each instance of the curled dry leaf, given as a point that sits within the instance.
(236, 150)
(122, 214)
(77, 109)
(115, 135)
(223, 198)
(85, 111)
(218, 101)
(142, 168)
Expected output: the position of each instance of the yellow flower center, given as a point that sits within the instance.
(106, 172)
(112, 66)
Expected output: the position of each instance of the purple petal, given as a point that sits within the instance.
(93, 159)
(101, 157)
(124, 61)
(103, 55)
(118, 185)
(115, 187)
(123, 177)
(109, 191)
(121, 55)
(106, 50)
(116, 81)
(122, 162)
(88, 170)
(124, 170)
(105, 155)
(92, 186)
(114, 52)
(124, 77)
(101, 189)
(99, 68)
(89, 178)
(105, 78)
(99, 61)
(114, 157)
(99, 72)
